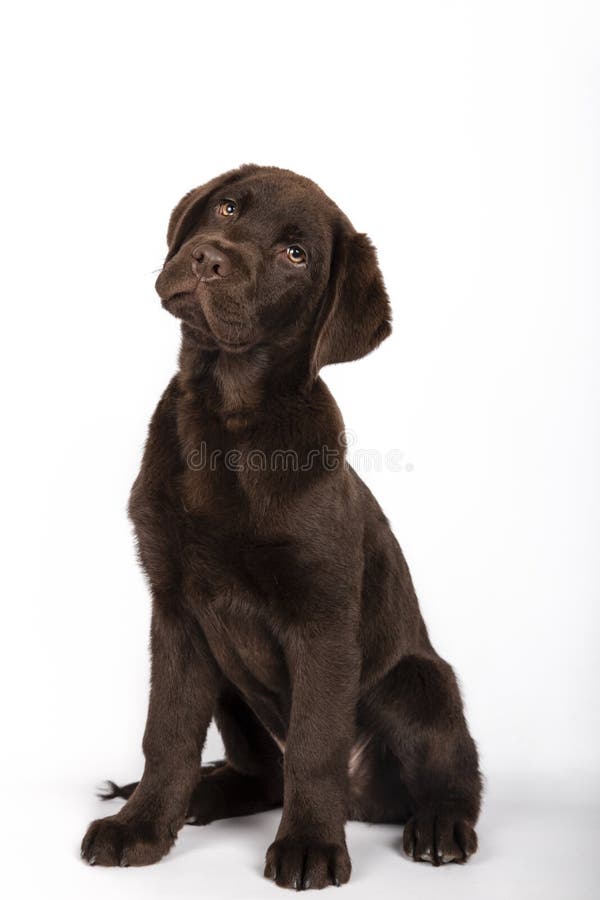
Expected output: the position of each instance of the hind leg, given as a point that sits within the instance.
(250, 778)
(417, 711)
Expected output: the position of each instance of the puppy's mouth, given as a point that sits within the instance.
(233, 346)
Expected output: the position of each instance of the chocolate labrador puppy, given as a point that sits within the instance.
(281, 602)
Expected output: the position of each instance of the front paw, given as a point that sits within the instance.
(439, 838)
(114, 842)
(303, 863)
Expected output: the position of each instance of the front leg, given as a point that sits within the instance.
(183, 693)
(310, 847)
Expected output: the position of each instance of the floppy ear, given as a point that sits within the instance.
(356, 315)
(183, 217)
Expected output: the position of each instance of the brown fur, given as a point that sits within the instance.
(282, 604)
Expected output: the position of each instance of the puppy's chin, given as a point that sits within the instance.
(184, 305)
(210, 328)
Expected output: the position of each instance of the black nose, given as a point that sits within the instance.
(209, 263)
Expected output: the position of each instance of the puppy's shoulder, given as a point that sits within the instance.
(161, 452)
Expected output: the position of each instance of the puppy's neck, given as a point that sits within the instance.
(238, 388)
(240, 381)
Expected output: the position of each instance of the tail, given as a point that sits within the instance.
(110, 790)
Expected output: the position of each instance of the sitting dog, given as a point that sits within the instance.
(282, 605)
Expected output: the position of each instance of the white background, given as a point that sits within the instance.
(464, 138)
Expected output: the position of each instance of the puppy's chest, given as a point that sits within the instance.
(235, 469)
(244, 645)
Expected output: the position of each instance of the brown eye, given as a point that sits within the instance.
(227, 207)
(296, 255)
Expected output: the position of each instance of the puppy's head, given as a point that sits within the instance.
(260, 256)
